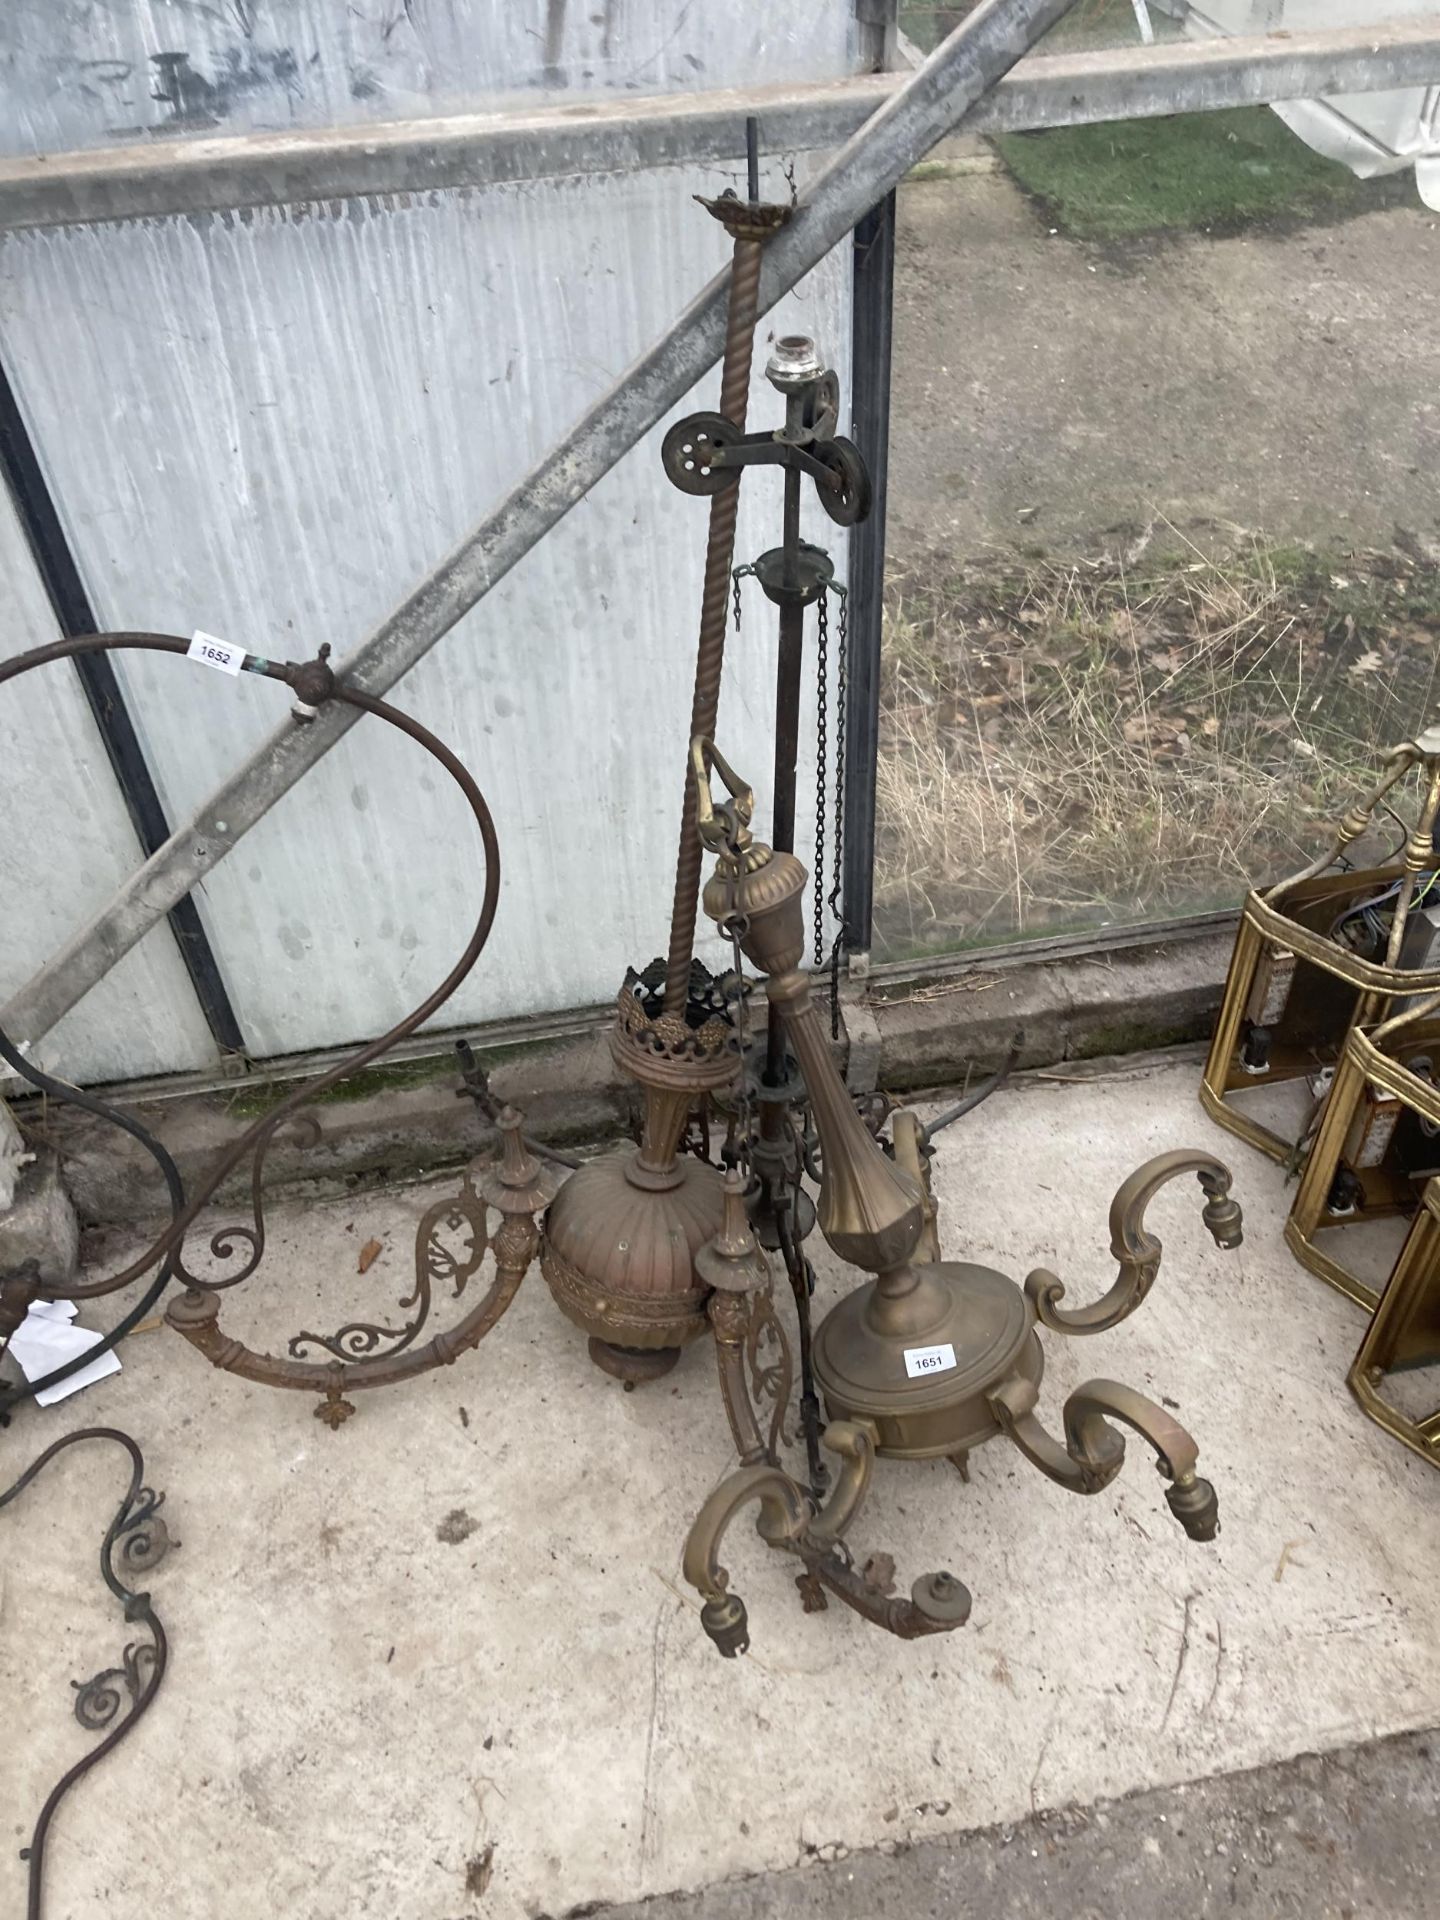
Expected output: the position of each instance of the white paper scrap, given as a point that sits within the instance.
(45, 1339)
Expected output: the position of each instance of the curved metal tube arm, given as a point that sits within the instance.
(1138, 1251)
(1093, 1452)
(788, 1520)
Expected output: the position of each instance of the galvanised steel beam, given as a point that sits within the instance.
(200, 175)
(928, 104)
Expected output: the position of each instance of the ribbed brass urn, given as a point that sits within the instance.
(622, 1234)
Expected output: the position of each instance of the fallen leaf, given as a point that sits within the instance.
(369, 1254)
(1210, 727)
(1367, 663)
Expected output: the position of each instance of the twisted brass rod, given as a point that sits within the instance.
(742, 314)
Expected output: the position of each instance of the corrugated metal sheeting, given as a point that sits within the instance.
(270, 426)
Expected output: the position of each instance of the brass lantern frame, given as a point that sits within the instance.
(1404, 1331)
(1332, 991)
(1370, 1064)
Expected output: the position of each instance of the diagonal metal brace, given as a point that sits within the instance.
(935, 98)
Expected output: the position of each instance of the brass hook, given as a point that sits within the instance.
(724, 829)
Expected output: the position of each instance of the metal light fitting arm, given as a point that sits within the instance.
(1398, 762)
(910, 1144)
(1137, 1250)
(1093, 1452)
(789, 1521)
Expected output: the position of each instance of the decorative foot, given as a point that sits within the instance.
(334, 1409)
(961, 1463)
(635, 1366)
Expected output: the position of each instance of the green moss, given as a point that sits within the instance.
(1216, 171)
(257, 1098)
(1141, 1032)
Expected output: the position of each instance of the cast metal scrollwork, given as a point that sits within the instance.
(767, 1354)
(436, 1263)
(99, 1699)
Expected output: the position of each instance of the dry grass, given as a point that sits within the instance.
(1112, 740)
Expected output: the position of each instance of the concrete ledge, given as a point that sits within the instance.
(919, 1030)
(1153, 993)
(409, 1120)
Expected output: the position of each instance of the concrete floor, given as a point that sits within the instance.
(441, 1663)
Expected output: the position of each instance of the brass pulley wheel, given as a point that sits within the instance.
(850, 501)
(686, 453)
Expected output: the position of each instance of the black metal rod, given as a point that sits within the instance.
(872, 315)
(60, 576)
(752, 158)
(789, 670)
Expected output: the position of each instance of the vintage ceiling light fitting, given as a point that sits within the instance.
(621, 1238)
(453, 1238)
(927, 1358)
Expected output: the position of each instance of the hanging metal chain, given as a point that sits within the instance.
(737, 574)
(822, 723)
(837, 877)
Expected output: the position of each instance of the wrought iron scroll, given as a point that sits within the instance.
(391, 1352)
(435, 1262)
(112, 1700)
